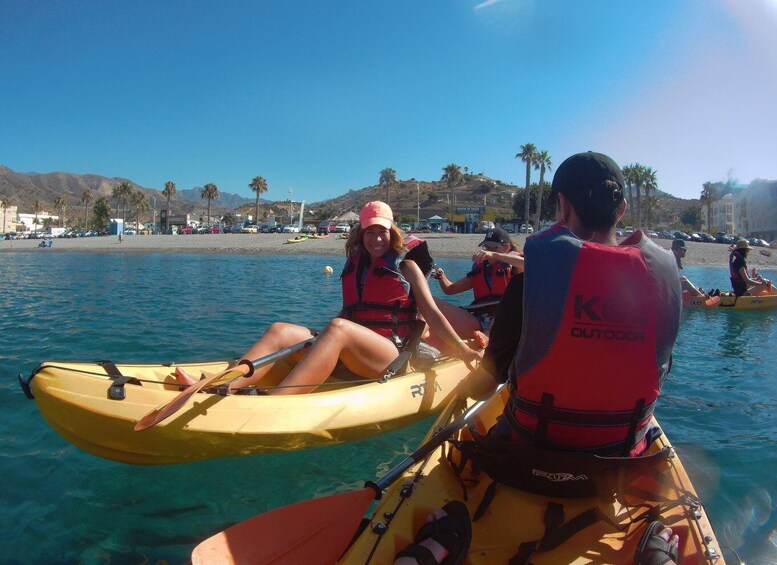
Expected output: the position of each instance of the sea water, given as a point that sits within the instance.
(62, 505)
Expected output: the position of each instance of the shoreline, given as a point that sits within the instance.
(440, 245)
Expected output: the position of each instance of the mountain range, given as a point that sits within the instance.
(408, 197)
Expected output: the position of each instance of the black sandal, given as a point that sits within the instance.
(653, 549)
(453, 532)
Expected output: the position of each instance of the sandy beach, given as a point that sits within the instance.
(440, 245)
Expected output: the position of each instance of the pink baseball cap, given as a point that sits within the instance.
(376, 213)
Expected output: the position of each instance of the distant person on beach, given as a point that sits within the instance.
(741, 282)
(497, 260)
(383, 294)
(679, 250)
(584, 337)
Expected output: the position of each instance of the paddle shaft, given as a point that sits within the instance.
(163, 412)
(424, 450)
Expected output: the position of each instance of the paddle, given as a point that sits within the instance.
(163, 412)
(318, 530)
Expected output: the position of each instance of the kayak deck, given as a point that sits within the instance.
(514, 517)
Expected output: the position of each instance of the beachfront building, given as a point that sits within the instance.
(722, 216)
(27, 222)
(8, 219)
(756, 210)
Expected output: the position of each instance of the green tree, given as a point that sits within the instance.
(5, 203)
(229, 219)
(709, 195)
(210, 192)
(59, 205)
(387, 180)
(542, 162)
(452, 176)
(259, 186)
(37, 208)
(628, 175)
(86, 198)
(101, 213)
(636, 176)
(140, 201)
(169, 192)
(528, 155)
(691, 216)
(649, 184)
(122, 193)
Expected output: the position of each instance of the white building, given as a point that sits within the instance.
(27, 223)
(756, 210)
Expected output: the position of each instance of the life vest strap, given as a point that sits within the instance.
(586, 418)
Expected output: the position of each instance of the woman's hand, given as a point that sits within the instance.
(482, 256)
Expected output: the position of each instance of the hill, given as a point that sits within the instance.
(408, 198)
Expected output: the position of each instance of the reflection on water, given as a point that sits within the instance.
(719, 405)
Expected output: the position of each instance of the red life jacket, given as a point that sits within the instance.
(589, 367)
(734, 273)
(386, 304)
(490, 280)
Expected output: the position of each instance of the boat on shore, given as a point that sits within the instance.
(95, 406)
(297, 239)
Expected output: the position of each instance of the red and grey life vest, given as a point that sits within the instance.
(733, 272)
(599, 324)
(489, 281)
(384, 302)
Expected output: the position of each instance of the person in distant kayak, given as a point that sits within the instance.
(741, 282)
(496, 262)
(383, 293)
(679, 250)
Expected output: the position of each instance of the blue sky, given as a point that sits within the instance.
(319, 96)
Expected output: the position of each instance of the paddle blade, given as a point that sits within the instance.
(161, 413)
(312, 531)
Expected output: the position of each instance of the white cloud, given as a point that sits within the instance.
(487, 3)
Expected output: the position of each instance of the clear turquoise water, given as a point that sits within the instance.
(62, 505)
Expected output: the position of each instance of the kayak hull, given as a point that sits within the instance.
(74, 399)
(514, 517)
(760, 302)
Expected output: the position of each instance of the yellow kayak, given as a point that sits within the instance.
(297, 239)
(95, 406)
(727, 301)
(507, 525)
(513, 517)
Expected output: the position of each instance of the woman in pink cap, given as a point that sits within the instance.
(383, 293)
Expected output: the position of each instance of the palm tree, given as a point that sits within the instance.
(528, 155)
(210, 192)
(709, 194)
(168, 192)
(649, 182)
(388, 178)
(632, 174)
(542, 162)
(452, 176)
(259, 186)
(86, 198)
(101, 212)
(37, 208)
(5, 203)
(59, 204)
(122, 193)
(140, 202)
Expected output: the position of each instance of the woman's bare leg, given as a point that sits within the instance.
(360, 349)
(278, 336)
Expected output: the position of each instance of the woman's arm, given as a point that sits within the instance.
(437, 322)
(449, 287)
(511, 258)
